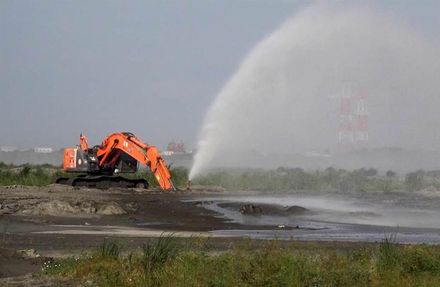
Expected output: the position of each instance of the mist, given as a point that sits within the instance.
(285, 96)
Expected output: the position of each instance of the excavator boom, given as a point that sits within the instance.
(119, 152)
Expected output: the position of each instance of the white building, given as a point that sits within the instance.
(43, 149)
(8, 148)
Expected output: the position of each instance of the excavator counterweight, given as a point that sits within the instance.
(118, 153)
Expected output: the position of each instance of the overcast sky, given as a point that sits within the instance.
(149, 67)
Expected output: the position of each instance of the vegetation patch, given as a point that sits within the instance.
(27, 175)
(329, 179)
(42, 175)
(280, 179)
(168, 262)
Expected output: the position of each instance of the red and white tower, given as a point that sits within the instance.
(353, 115)
(361, 116)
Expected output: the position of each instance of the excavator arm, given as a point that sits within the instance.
(117, 144)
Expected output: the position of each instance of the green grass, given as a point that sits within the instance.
(155, 255)
(108, 249)
(41, 175)
(330, 179)
(281, 179)
(167, 262)
(27, 175)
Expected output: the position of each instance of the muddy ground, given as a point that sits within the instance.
(37, 224)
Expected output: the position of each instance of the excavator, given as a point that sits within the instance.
(99, 166)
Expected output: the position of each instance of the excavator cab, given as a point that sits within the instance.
(77, 160)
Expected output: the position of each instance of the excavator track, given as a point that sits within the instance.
(103, 182)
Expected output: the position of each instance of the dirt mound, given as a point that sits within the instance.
(54, 208)
(111, 208)
(66, 208)
(264, 209)
(296, 209)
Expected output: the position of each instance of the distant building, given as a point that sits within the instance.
(8, 148)
(176, 147)
(43, 150)
(167, 153)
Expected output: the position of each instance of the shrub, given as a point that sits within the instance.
(179, 175)
(418, 259)
(414, 180)
(25, 171)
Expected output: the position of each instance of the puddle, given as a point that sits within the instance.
(347, 217)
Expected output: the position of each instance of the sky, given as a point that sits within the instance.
(149, 67)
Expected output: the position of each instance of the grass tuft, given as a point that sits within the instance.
(155, 255)
(108, 249)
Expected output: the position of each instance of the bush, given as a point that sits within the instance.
(179, 175)
(418, 259)
(3, 165)
(390, 173)
(25, 171)
(414, 180)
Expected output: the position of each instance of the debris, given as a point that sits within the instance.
(188, 185)
(250, 209)
(86, 206)
(29, 253)
(131, 207)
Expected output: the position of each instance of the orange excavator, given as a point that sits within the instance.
(100, 165)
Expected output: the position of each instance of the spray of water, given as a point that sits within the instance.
(281, 100)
